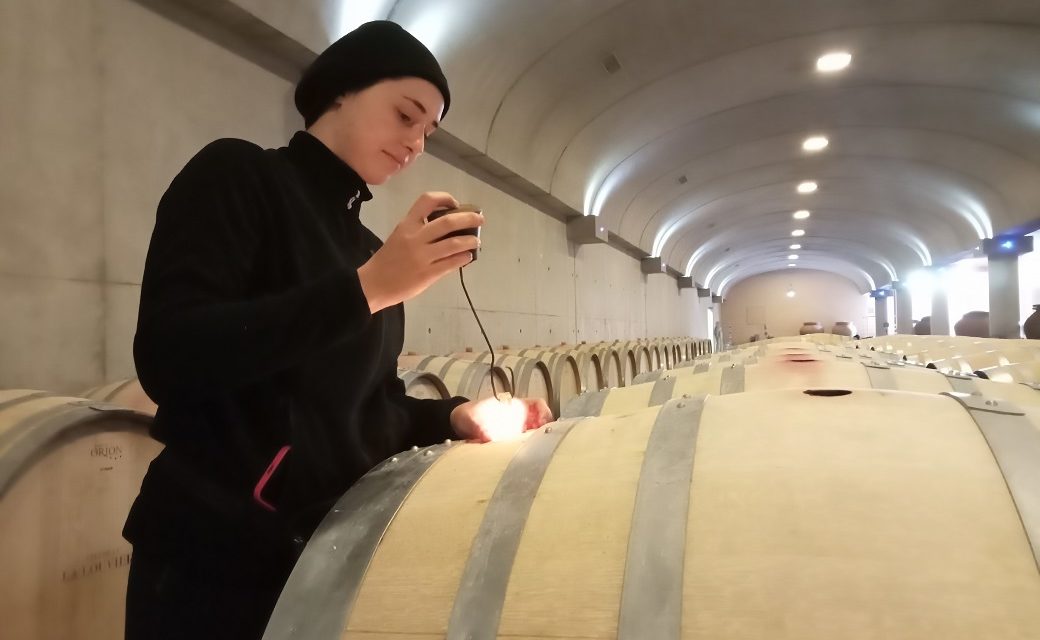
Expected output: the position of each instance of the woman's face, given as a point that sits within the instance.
(382, 129)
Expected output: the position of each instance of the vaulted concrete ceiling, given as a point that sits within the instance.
(691, 148)
(680, 122)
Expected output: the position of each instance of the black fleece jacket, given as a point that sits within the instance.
(254, 335)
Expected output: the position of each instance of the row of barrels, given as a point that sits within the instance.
(128, 392)
(794, 489)
(1006, 360)
(71, 466)
(796, 364)
(556, 374)
(841, 328)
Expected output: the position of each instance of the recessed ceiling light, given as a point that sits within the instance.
(815, 143)
(795, 247)
(791, 264)
(807, 187)
(798, 233)
(790, 293)
(801, 215)
(793, 256)
(612, 64)
(834, 61)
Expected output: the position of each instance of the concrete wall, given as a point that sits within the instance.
(105, 101)
(668, 314)
(820, 296)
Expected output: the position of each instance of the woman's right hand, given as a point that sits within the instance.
(414, 256)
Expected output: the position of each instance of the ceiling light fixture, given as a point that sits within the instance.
(808, 187)
(801, 215)
(798, 233)
(793, 256)
(834, 61)
(795, 247)
(815, 143)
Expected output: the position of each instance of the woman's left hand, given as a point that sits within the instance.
(493, 419)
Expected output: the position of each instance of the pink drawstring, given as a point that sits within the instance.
(259, 488)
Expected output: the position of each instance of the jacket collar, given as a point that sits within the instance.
(334, 179)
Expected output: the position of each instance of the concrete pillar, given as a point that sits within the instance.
(880, 312)
(1003, 283)
(1003, 297)
(940, 307)
(904, 309)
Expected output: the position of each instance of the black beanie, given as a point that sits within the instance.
(373, 52)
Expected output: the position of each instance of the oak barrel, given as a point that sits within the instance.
(69, 470)
(423, 385)
(461, 377)
(529, 378)
(788, 515)
(564, 371)
(608, 358)
(593, 368)
(125, 393)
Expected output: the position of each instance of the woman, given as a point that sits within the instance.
(270, 324)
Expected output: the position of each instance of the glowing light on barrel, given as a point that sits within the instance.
(502, 420)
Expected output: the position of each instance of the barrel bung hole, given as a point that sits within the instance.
(827, 393)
